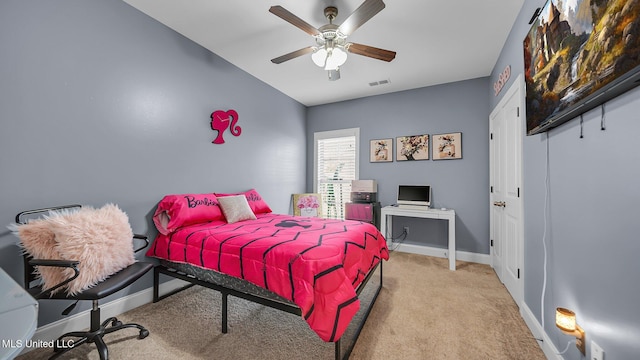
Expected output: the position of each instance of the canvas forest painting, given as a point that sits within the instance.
(575, 50)
(414, 147)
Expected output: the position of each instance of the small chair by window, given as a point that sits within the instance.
(72, 269)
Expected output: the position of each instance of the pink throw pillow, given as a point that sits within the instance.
(175, 211)
(257, 204)
(100, 239)
(39, 241)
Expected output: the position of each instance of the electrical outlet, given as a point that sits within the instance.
(596, 351)
(406, 230)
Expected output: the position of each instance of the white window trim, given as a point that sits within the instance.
(321, 135)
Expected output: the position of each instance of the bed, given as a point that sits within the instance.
(315, 268)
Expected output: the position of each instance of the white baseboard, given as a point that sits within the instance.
(442, 253)
(546, 345)
(82, 320)
(473, 257)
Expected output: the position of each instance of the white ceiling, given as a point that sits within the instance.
(436, 41)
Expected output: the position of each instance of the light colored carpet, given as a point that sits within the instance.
(424, 311)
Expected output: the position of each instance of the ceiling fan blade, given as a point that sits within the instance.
(361, 15)
(287, 16)
(372, 52)
(292, 55)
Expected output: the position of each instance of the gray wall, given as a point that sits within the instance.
(100, 103)
(458, 184)
(592, 217)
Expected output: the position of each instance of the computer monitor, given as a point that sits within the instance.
(414, 195)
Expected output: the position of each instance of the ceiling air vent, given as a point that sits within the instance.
(381, 82)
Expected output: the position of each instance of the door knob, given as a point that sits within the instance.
(500, 203)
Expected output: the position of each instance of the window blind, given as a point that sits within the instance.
(336, 167)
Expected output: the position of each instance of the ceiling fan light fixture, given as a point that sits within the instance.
(319, 57)
(335, 59)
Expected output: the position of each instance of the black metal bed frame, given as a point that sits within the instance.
(287, 307)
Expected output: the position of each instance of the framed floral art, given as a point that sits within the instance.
(380, 150)
(308, 205)
(447, 146)
(414, 147)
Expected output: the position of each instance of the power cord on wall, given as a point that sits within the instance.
(545, 213)
(397, 240)
(567, 348)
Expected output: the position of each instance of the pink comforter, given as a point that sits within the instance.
(315, 263)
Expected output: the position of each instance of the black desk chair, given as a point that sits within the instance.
(112, 284)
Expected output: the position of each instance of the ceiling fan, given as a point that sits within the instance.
(331, 48)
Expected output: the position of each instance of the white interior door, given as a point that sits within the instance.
(505, 172)
(496, 178)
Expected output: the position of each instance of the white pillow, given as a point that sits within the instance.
(236, 208)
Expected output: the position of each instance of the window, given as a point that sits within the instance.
(336, 158)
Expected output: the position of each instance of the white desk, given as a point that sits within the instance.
(448, 214)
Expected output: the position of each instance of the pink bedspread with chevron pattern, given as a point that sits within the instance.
(315, 263)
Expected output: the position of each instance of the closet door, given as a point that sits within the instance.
(506, 124)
